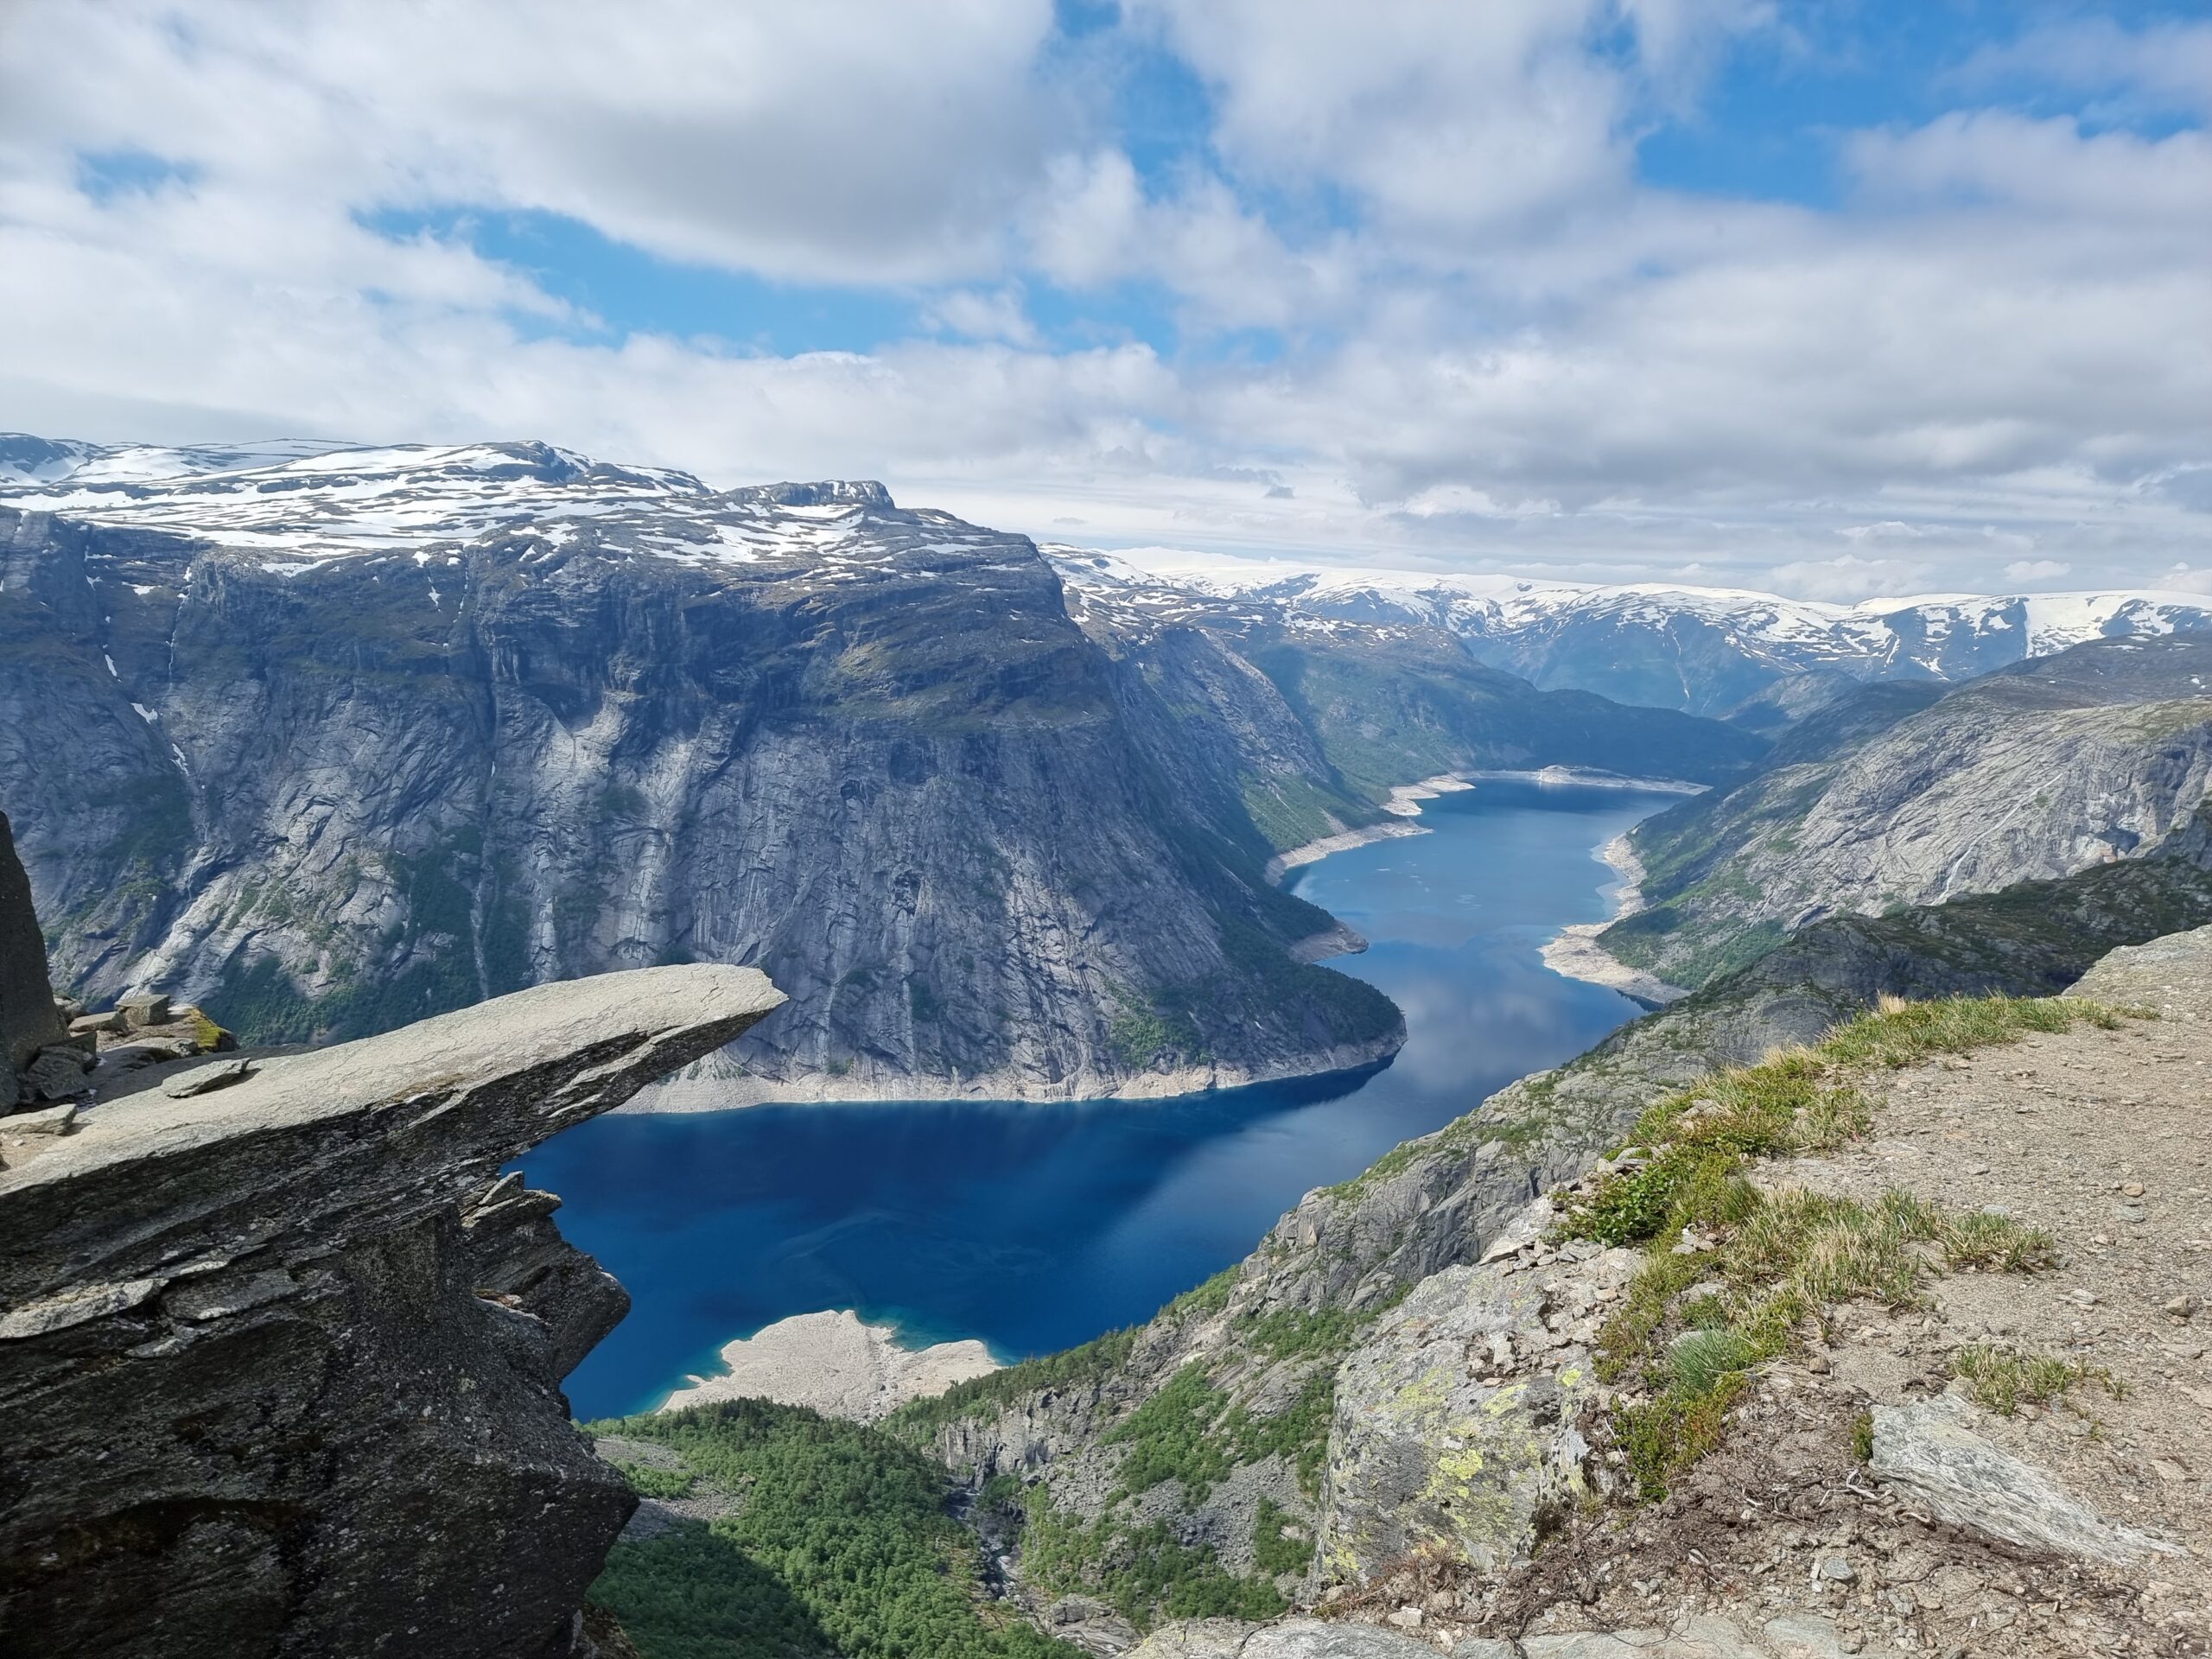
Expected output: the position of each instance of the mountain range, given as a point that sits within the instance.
(1756, 659)
(355, 736)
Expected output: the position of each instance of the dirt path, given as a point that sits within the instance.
(2101, 1138)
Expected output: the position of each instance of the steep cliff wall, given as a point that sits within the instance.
(28, 1020)
(883, 766)
(281, 1360)
(2098, 754)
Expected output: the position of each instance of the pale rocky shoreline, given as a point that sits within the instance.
(715, 1094)
(1577, 955)
(834, 1364)
(1404, 803)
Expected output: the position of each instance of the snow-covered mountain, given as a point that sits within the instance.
(1707, 650)
(1756, 658)
(305, 503)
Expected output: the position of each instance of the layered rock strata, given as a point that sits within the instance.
(282, 1359)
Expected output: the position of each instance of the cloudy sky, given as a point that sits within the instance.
(1840, 297)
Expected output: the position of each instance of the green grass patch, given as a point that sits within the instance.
(1694, 1324)
(2004, 1379)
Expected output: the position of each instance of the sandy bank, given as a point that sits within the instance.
(1577, 954)
(841, 1368)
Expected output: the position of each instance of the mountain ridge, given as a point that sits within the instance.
(360, 736)
(1757, 657)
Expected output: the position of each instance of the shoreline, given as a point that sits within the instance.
(1576, 954)
(682, 1095)
(834, 1363)
(1572, 954)
(1589, 777)
(1404, 804)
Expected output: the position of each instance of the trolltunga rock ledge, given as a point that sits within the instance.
(282, 1361)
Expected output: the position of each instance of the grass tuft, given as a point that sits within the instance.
(2002, 1378)
(1761, 1269)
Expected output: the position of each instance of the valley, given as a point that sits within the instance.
(365, 735)
(1107, 932)
(1037, 1230)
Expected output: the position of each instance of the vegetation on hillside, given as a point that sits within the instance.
(836, 1542)
(1763, 1269)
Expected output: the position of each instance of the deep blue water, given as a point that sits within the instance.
(1036, 1227)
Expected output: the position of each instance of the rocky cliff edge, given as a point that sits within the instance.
(282, 1361)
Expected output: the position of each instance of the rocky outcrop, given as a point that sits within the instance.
(1455, 1425)
(29, 1022)
(1927, 1450)
(282, 1359)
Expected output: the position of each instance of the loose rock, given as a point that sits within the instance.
(1929, 1452)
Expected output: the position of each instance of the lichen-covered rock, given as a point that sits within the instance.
(278, 1382)
(1455, 1422)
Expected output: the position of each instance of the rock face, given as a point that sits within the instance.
(28, 1019)
(1455, 1431)
(2099, 754)
(282, 1361)
(361, 737)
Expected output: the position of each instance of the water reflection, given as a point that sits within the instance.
(1036, 1227)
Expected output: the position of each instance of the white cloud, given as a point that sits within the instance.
(2037, 569)
(1850, 578)
(997, 314)
(838, 140)
(1499, 345)
(2164, 65)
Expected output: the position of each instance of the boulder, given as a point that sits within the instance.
(56, 1073)
(147, 1050)
(52, 1120)
(29, 1019)
(146, 1008)
(201, 1079)
(1455, 1424)
(1929, 1454)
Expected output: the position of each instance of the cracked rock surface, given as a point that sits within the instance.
(282, 1361)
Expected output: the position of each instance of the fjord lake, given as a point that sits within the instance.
(1035, 1227)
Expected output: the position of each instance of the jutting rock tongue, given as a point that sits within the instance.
(281, 1360)
(28, 1019)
